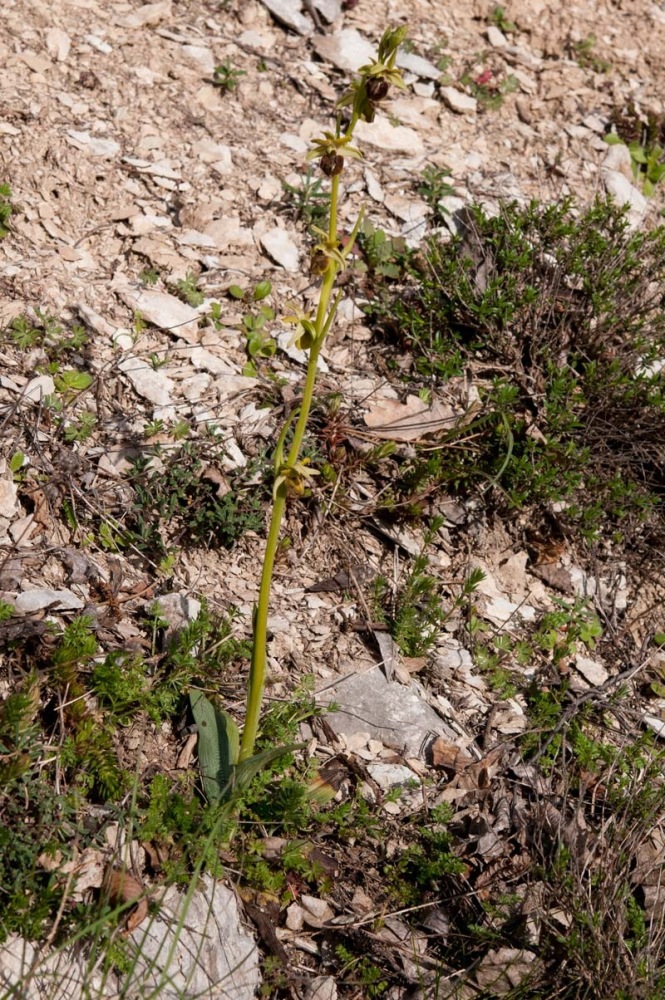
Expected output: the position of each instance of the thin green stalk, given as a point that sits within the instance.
(306, 404)
(331, 149)
(257, 674)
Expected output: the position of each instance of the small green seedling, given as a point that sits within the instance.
(69, 383)
(382, 256)
(260, 292)
(82, 428)
(16, 461)
(259, 342)
(433, 187)
(140, 323)
(226, 77)
(23, 333)
(443, 60)
(180, 430)
(648, 162)
(157, 361)
(488, 87)
(45, 330)
(149, 276)
(308, 201)
(416, 613)
(216, 315)
(152, 428)
(6, 209)
(585, 57)
(498, 17)
(188, 290)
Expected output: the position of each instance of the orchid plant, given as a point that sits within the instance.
(293, 474)
(329, 257)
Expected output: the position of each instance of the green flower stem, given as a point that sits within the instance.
(322, 323)
(325, 315)
(257, 673)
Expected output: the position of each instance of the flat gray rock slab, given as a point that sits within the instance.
(394, 713)
(214, 955)
(58, 975)
(162, 310)
(279, 245)
(45, 597)
(329, 10)
(149, 383)
(211, 956)
(458, 101)
(8, 498)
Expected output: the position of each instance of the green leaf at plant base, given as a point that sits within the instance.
(259, 345)
(219, 749)
(16, 461)
(262, 290)
(637, 152)
(236, 292)
(72, 381)
(245, 772)
(218, 746)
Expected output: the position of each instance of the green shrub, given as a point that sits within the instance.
(180, 504)
(558, 317)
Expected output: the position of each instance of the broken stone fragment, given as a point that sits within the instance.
(346, 49)
(289, 12)
(281, 248)
(41, 598)
(459, 102)
(396, 714)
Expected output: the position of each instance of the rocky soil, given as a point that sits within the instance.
(125, 158)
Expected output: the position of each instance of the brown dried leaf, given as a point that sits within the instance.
(120, 887)
(412, 420)
(550, 551)
(137, 916)
(42, 511)
(266, 930)
(414, 664)
(155, 856)
(218, 479)
(325, 861)
(448, 755)
(185, 756)
(84, 871)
